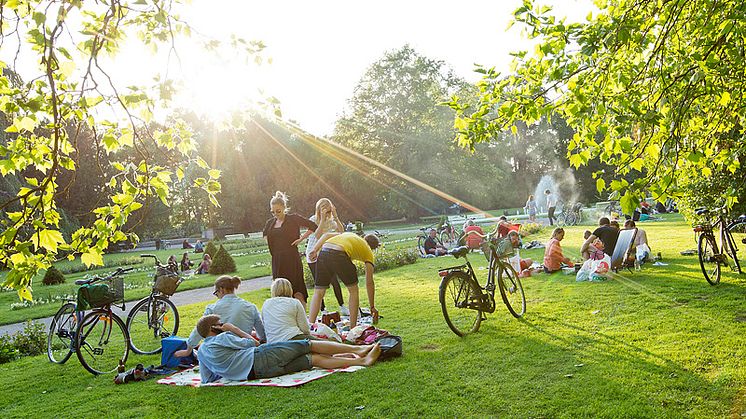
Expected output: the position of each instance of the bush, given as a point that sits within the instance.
(211, 249)
(30, 341)
(53, 276)
(222, 263)
(71, 269)
(531, 228)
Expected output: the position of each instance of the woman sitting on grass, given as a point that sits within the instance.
(283, 316)
(230, 307)
(553, 257)
(204, 267)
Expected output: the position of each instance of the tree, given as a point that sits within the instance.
(654, 87)
(50, 111)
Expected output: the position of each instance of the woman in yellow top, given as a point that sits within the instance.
(335, 255)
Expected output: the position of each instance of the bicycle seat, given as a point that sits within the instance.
(701, 211)
(741, 218)
(459, 252)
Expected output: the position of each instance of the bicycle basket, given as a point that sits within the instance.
(101, 293)
(167, 283)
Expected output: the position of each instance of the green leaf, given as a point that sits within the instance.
(214, 173)
(179, 173)
(600, 184)
(724, 99)
(629, 203)
(92, 258)
(48, 239)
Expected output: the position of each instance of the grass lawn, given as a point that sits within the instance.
(656, 343)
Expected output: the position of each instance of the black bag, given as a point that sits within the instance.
(391, 346)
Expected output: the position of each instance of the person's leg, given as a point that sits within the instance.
(354, 300)
(326, 361)
(338, 291)
(312, 269)
(550, 213)
(332, 348)
(316, 300)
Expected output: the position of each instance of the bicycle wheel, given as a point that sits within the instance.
(571, 219)
(445, 238)
(708, 261)
(738, 232)
(149, 322)
(460, 301)
(61, 335)
(512, 291)
(102, 342)
(421, 245)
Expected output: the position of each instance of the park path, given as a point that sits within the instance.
(197, 295)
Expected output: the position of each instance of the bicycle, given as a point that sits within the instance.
(572, 216)
(99, 338)
(463, 300)
(711, 256)
(155, 316)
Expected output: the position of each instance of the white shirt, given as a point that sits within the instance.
(550, 201)
(284, 318)
(328, 227)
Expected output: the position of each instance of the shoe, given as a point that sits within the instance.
(344, 311)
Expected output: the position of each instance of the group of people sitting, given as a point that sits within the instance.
(185, 264)
(240, 343)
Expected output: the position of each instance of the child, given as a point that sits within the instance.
(596, 250)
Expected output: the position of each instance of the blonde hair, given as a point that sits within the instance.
(323, 202)
(280, 198)
(227, 282)
(281, 287)
(557, 231)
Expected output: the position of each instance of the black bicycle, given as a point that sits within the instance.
(732, 242)
(571, 215)
(99, 338)
(155, 316)
(463, 300)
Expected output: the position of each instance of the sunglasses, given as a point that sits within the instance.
(215, 293)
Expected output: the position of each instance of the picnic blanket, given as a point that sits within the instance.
(191, 378)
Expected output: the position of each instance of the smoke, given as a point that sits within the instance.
(562, 184)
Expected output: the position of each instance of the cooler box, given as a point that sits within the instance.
(170, 345)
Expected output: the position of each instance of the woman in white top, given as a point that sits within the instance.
(283, 316)
(328, 221)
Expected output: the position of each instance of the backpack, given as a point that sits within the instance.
(391, 347)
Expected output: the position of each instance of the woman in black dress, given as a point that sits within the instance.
(282, 232)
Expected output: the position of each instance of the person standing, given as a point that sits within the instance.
(551, 206)
(328, 221)
(531, 208)
(282, 232)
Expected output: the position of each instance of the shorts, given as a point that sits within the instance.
(280, 358)
(333, 262)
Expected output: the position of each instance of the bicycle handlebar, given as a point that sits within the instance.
(95, 279)
(148, 255)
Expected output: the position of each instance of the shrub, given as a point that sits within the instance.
(30, 341)
(53, 276)
(211, 249)
(71, 269)
(7, 350)
(222, 263)
(531, 228)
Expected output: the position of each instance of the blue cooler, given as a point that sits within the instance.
(170, 345)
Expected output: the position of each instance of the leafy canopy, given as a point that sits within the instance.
(73, 93)
(650, 86)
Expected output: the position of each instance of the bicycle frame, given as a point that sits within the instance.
(488, 290)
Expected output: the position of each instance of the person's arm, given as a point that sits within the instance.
(300, 318)
(321, 242)
(206, 375)
(588, 241)
(239, 339)
(335, 219)
(259, 325)
(370, 286)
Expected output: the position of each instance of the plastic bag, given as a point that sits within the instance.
(642, 252)
(594, 270)
(515, 262)
(325, 332)
(584, 274)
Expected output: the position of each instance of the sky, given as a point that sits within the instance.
(320, 50)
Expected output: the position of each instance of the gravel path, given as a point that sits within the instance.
(197, 295)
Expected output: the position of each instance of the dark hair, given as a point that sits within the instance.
(547, 192)
(603, 221)
(503, 218)
(205, 324)
(227, 282)
(629, 224)
(372, 241)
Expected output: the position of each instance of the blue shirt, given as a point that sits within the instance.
(226, 355)
(235, 310)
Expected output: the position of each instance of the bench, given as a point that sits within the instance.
(239, 236)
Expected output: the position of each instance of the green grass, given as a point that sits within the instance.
(656, 343)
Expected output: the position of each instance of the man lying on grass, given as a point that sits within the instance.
(231, 353)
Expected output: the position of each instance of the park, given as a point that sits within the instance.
(556, 231)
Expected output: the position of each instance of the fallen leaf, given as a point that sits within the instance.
(596, 312)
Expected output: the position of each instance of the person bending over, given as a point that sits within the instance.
(606, 233)
(335, 255)
(230, 307)
(432, 247)
(553, 257)
(229, 352)
(283, 316)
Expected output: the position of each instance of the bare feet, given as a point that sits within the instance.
(373, 355)
(347, 356)
(363, 350)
